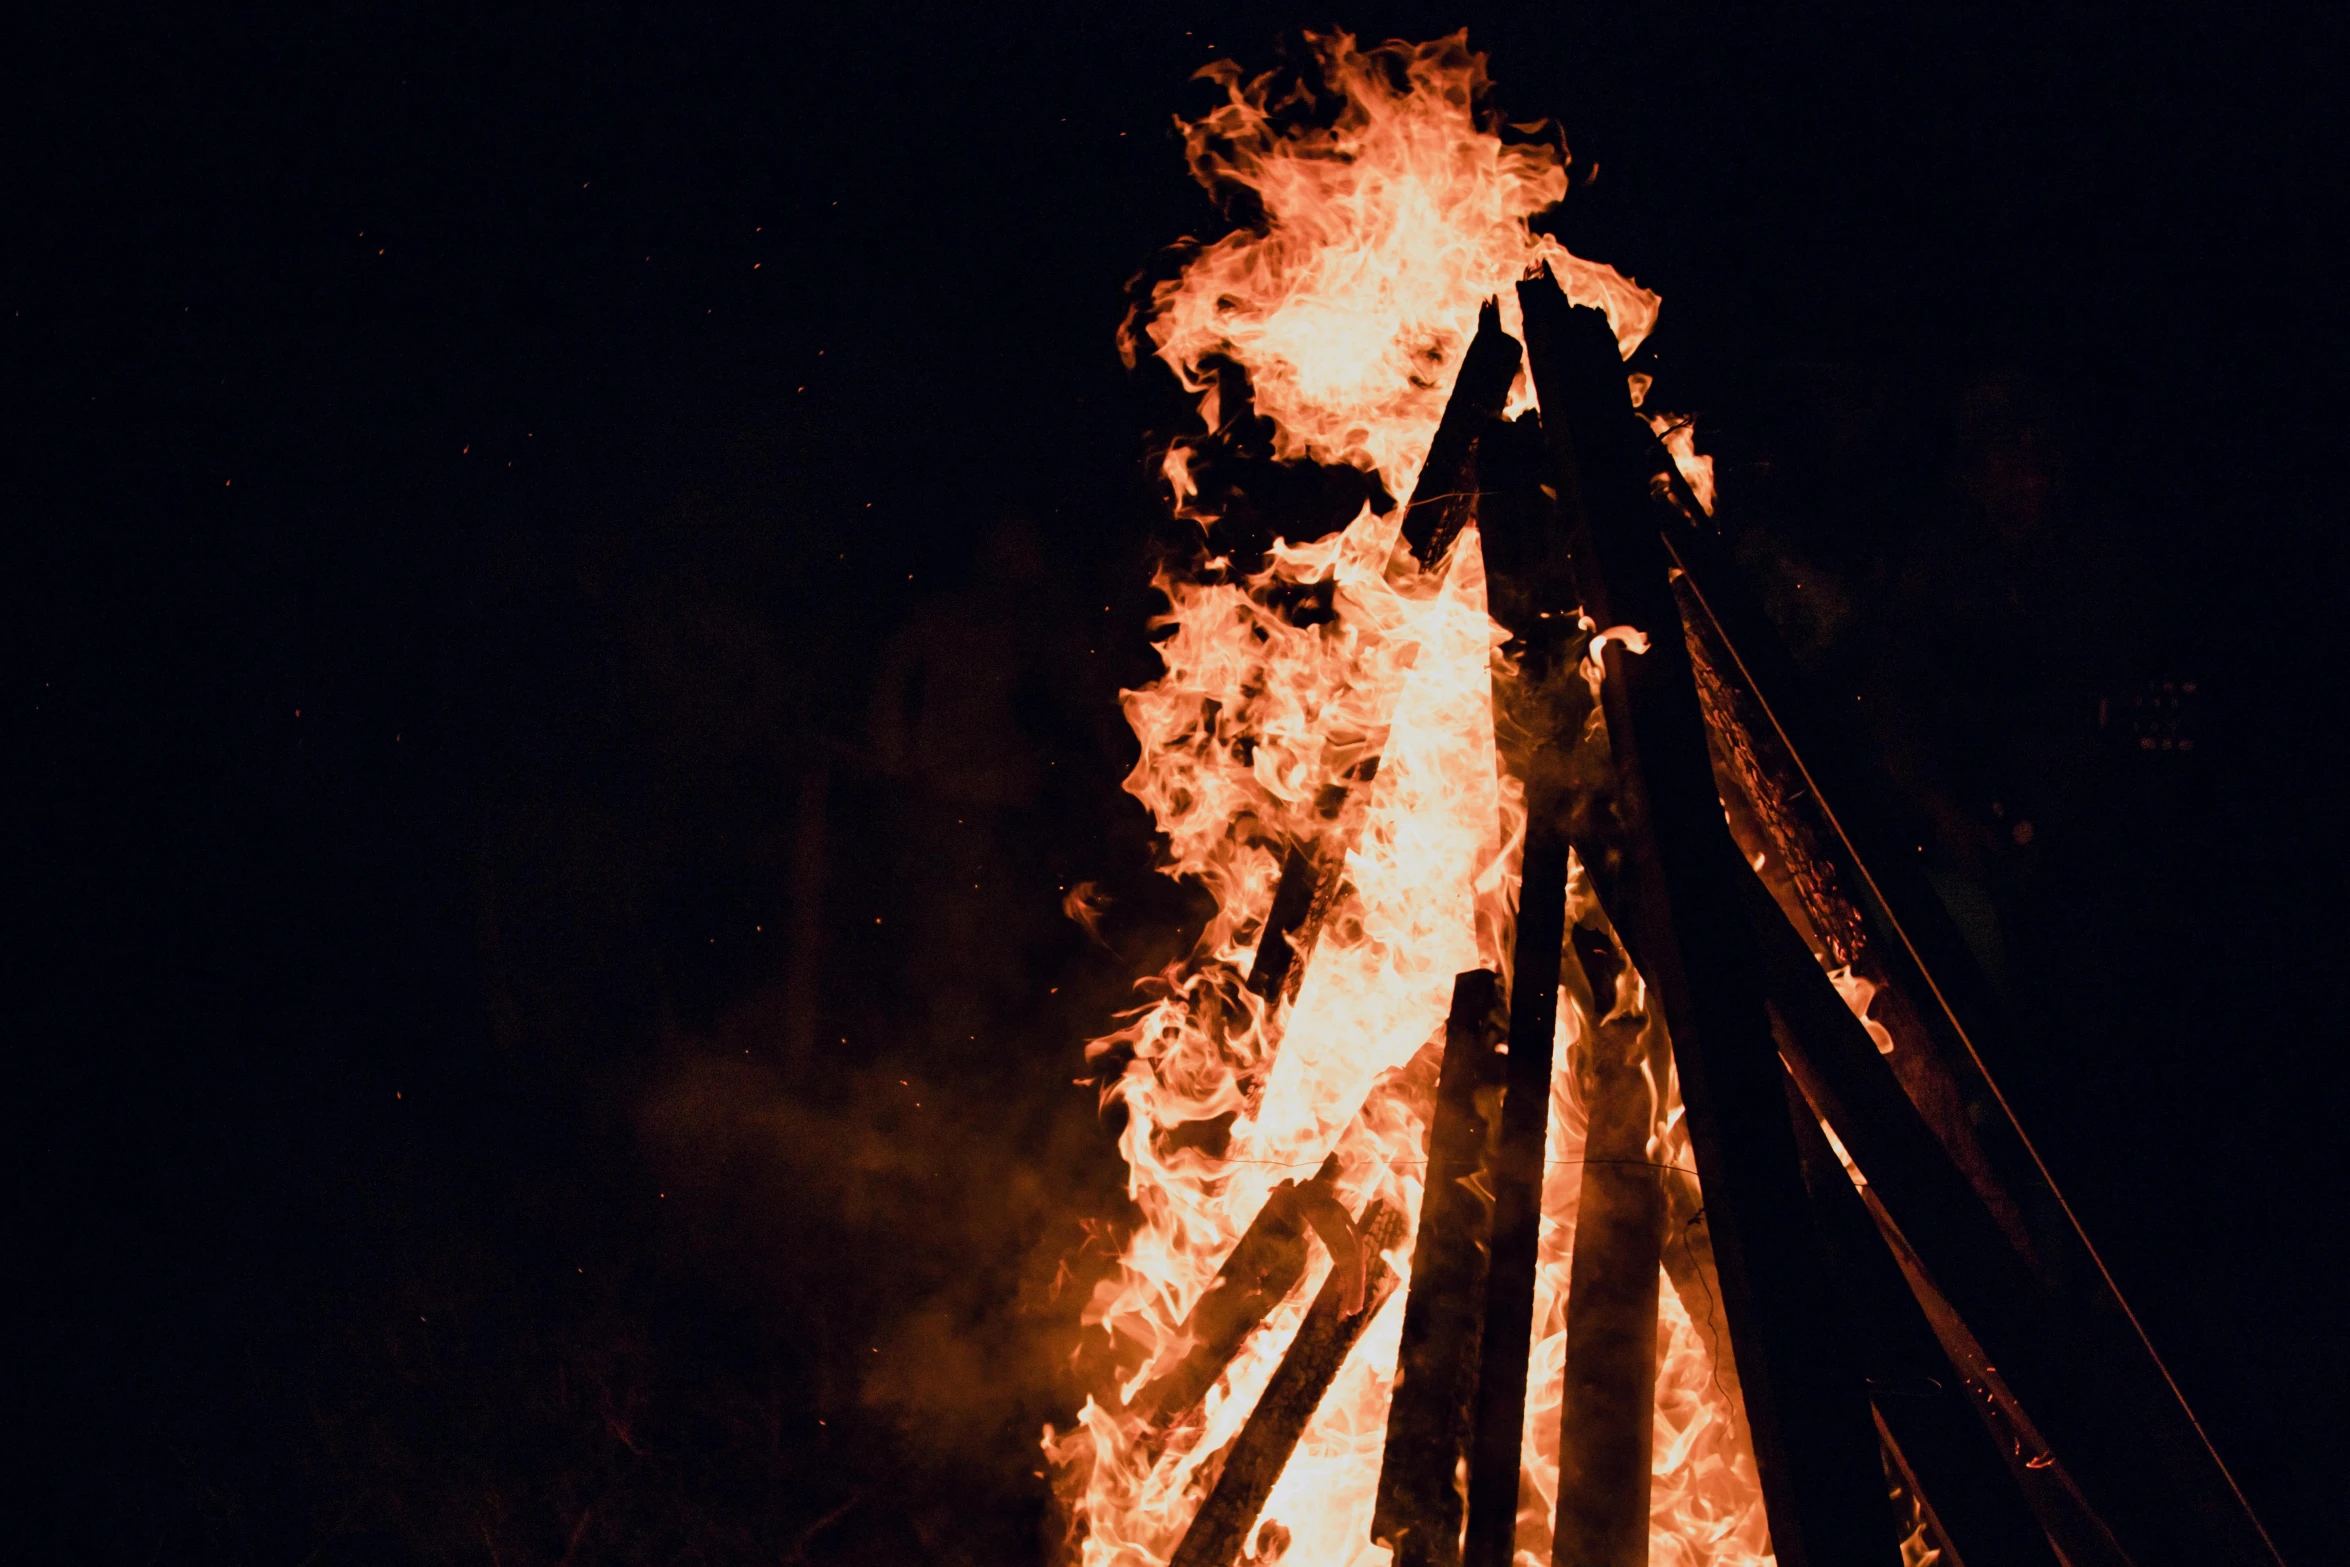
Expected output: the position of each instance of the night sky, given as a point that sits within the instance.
(569, 576)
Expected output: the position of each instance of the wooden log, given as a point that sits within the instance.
(2045, 1352)
(1815, 1442)
(1293, 897)
(1497, 1432)
(1257, 1456)
(1607, 1413)
(1265, 1265)
(1419, 1509)
(1444, 497)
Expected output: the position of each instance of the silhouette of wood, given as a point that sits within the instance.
(1607, 1412)
(1419, 1509)
(1517, 1190)
(1682, 920)
(1444, 497)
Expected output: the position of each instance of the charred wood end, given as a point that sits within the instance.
(1444, 499)
(1291, 901)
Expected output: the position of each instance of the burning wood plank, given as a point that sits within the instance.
(1497, 1435)
(1259, 1275)
(1607, 1416)
(1682, 921)
(1444, 498)
(1344, 1306)
(1418, 1512)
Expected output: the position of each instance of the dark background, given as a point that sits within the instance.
(570, 570)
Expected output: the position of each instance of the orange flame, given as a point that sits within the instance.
(1389, 212)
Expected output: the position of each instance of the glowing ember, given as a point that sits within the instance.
(1389, 215)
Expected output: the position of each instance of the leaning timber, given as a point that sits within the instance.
(1923, 1403)
(1607, 1414)
(2045, 1352)
(1418, 1513)
(2192, 1507)
(1442, 501)
(1341, 1310)
(1264, 1267)
(1815, 1442)
(1499, 1422)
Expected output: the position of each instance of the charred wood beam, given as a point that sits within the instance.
(1264, 1267)
(1418, 1513)
(1443, 501)
(1689, 1263)
(1293, 897)
(2043, 1348)
(1341, 1310)
(1930, 963)
(1815, 1441)
(2049, 1488)
(1607, 1414)
(1922, 1401)
(1499, 1423)
(1444, 497)
(1774, 815)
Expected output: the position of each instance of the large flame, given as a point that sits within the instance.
(1391, 206)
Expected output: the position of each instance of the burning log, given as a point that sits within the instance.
(1418, 1514)
(1249, 1469)
(1443, 501)
(1293, 898)
(1517, 1189)
(1264, 1267)
(1814, 1440)
(1607, 1415)
(1444, 497)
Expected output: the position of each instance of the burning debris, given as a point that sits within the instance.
(1566, 1140)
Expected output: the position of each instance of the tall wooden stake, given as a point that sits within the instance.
(1419, 1509)
(1607, 1414)
(1815, 1441)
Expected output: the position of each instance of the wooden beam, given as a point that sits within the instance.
(2209, 1519)
(2045, 1352)
(1815, 1442)
(1607, 1411)
(1924, 1405)
(1443, 498)
(1498, 1428)
(1419, 1510)
(1265, 1265)
(1262, 1450)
